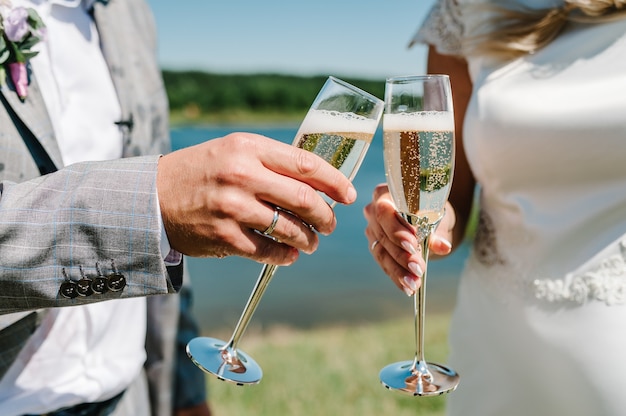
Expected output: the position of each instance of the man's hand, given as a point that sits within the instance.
(214, 195)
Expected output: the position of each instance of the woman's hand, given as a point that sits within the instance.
(393, 242)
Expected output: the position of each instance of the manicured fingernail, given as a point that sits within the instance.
(416, 269)
(408, 291)
(351, 194)
(410, 283)
(446, 243)
(408, 247)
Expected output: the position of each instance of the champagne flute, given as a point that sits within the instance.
(418, 129)
(339, 127)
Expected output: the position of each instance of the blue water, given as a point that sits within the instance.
(339, 283)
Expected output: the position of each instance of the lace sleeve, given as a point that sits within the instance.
(442, 28)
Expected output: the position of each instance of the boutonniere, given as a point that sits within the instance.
(20, 29)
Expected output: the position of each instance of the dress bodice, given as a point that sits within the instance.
(545, 137)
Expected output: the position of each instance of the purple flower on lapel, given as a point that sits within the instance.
(20, 29)
(16, 24)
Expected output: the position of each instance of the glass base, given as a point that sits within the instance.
(423, 379)
(214, 357)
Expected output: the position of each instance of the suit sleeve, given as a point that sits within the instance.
(86, 220)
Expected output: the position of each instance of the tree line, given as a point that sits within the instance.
(197, 93)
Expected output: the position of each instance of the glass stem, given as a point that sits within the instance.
(419, 306)
(423, 232)
(253, 301)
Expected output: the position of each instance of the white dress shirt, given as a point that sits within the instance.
(84, 353)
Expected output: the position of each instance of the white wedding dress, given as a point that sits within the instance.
(540, 323)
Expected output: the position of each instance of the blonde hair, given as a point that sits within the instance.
(519, 32)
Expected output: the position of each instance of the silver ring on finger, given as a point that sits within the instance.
(269, 230)
(374, 244)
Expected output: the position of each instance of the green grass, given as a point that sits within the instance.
(331, 371)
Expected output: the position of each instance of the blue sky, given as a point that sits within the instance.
(364, 38)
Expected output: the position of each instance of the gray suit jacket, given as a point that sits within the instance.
(88, 212)
(92, 212)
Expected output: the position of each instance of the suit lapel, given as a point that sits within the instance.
(128, 42)
(112, 42)
(32, 111)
